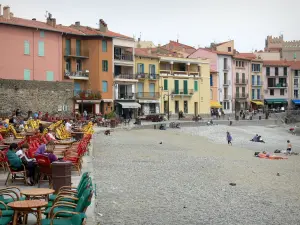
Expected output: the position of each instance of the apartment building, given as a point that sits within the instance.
(256, 85)
(295, 84)
(146, 71)
(214, 90)
(277, 81)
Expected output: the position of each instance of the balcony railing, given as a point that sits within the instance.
(126, 76)
(241, 81)
(226, 83)
(241, 95)
(226, 67)
(279, 85)
(87, 95)
(79, 53)
(180, 73)
(142, 76)
(258, 83)
(183, 92)
(78, 75)
(153, 76)
(147, 95)
(124, 57)
(260, 97)
(227, 97)
(296, 85)
(126, 96)
(165, 72)
(194, 73)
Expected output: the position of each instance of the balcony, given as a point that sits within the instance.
(126, 77)
(183, 92)
(78, 75)
(241, 81)
(147, 95)
(87, 95)
(165, 72)
(260, 97)
(143, 76)
(125, 96)
(226, 67)
(123, 57)
(241, 95)
(194, 73)
(296, 86)
(227, 97)
(226, 83)
(279, 85)
(180, 73)
(76, 53)
(257, 84)
(153, 76)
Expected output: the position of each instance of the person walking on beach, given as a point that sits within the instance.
(289, 147)
(229, 138)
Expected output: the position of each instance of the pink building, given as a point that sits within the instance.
(32, 50)
(277, 81)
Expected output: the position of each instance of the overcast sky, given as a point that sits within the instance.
(196, 22)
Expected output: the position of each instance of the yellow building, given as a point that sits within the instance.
(147, 90)
(184, 84)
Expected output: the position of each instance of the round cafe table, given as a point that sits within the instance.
(25, 207)
(8, 141)
(37, 193)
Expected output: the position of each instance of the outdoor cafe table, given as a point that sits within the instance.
(78, 134)
(37, 193)
(8, 141)
(27, 206)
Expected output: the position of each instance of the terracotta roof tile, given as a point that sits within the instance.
(147, 52)
(174, 45)
(246, 56)
(276, 63)
(213, 71)
(295, 65)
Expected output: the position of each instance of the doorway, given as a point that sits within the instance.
(196, 108)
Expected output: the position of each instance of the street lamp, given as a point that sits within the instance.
(164, 97)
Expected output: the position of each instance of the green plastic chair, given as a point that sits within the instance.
(5, 212)
(5, 220)
(10, 194)
(76, 219)
(79, 207)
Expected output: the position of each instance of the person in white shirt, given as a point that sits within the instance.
(68, 126)
(51, 136)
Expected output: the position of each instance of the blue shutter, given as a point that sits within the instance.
(49, 75)
(153, 71)
(41, 48)
(152, 89)
(26, 74)
(165, 85)
(211, 81)
(185, 87)
(140, 89)
(26, 48)
(76, 88)
(253, 80)
(142, 68)
(104, 86)
(253, 93)
(104, 46)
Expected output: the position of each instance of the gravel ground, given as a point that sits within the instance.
(185, 180)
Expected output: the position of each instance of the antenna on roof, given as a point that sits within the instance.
(46, 15)
(140, 35)
(177, 37)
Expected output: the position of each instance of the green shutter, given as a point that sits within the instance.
(41, 48)
(68, 47)
(42, 33)
(26, 48)
(104, 46)
(185, 87)
(195, 85)
(49, 75)
(176, 84)
(165, 84)
(26, 74)
(78, 46)
(104, 65)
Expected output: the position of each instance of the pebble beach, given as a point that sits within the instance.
(183, 177)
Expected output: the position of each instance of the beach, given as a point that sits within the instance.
(186, 179)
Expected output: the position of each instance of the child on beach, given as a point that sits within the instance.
(229, 138)
(289, 147)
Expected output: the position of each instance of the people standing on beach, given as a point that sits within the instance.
(229, 138)
(289, 147)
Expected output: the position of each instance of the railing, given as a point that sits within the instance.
(142, 76)
(194, 73)
(183, 92)
(260, 97)
(260, 83)
(241, 81)
(126, 96)
(126, 76)
(165, 72)
(180, 73)
(78, 75)
(296, 85)
(226, 67)
(279, 85)
(153, 76)
(227, 97)
(73, 52)
(147, 95)
(88, 95)
(124, 57)
(226, 83)
(241, 95)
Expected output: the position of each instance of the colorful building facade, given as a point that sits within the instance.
(214, 90)
(295, 84)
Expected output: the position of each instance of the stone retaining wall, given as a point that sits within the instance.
(46, 96)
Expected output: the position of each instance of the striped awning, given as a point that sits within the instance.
(257, 102)
(215, 104)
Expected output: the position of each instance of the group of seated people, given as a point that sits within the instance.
(17, 157)
(257, 138)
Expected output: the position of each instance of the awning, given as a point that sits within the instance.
(130, 105)
(107, 100)
(276, 101)
(296, 101)
(149, 101)
(258, 102)
(215, 104)
(88, 101)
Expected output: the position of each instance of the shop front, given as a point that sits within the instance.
(257, 105)
(277, 104)
(128, 109)
(215, 105)
(148, 107)
(296, 103)
(90, 106)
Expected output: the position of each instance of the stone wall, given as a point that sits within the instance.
(45, 96)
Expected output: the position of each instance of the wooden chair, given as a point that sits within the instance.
(44, 165)
(14, 174)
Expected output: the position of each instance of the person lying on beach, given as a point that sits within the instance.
(267, 155)
(257, 138)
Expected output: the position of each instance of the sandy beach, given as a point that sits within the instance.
(185, 180)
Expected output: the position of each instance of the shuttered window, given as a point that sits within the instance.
(41, 48)
(49, 76)
(26, 48)
(26, 74)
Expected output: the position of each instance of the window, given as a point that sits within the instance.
(211, 94)
(165, 85)
(41, 48)
(271, 82)
(152, 69)
(296, 73)
(258, 94)
(176, 106)
(229, 49)
(68, 65)
(276, 71)
(185, 87)
(152, 89)
(272, 92)
(253, 93)
(78, 47)
(104, 46)
(195, 85)
(225, 64)
(140, 68)
(78, 65)
(281, 91)
(49, 75)
(211, 80)
(104, 65)
(176, 86)
(296, 83)
(68, 47)
(240, 63)
(256, 67)
(26, 74)
(226, 105)
(185, 107)
(104, 86)
(237, 77)
(268, 71)
(243, 78)
(253, 80)
(26, 48)
(236, 63)
(42, 33)
(243, 64)
(258, 80)
(285, 71)
(296, 94)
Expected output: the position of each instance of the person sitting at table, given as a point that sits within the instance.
(16, 163)
(68, 126)
(41, 128)
(50, 153)
(43, 147)
(51, 135)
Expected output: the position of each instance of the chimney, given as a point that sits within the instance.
(177, 40)
(6, 12)
(102, 26)
(51, 21)
(0, 10)
(77, 24)
(34, 19)
(139, 39)
(11, 15)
